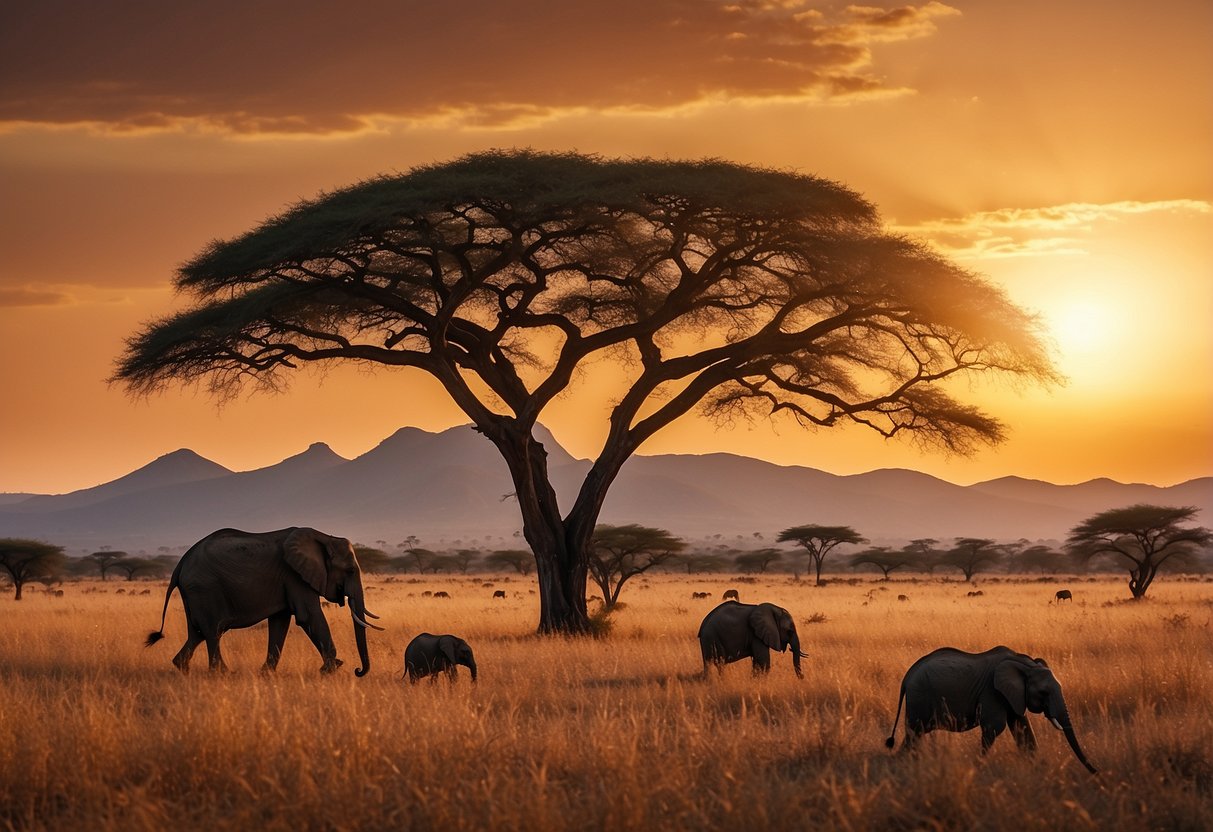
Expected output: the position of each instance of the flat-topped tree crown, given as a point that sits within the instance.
(722, 287)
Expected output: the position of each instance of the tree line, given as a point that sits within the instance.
(1139, 539)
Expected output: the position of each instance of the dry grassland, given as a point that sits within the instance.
(98, 733)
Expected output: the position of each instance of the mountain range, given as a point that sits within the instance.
(452, 488)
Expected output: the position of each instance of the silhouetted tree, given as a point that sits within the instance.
(25, 560)
(132, 566)
(372, 559)
(502, 273)
(758, 560)
(623, 552)
(924, 553)
(883, 559)
(105, 560)
(819, 541)
(519, 560)
(1039, 558)
(462, 559)
(696, 562)
(972, 554)
(1140, 537)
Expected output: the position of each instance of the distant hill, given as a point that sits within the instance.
(453, 486)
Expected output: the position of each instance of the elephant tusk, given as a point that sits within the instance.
(363, 623)
(1056, 724)
(803, 655)
(370, 614)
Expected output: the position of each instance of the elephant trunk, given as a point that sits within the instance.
(358, 616)
(1068, 729)
(470, 664)
(794, 643)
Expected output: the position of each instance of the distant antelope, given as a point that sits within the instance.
(701, 595)
(903, 597)
(1064, 595)
(731, 593)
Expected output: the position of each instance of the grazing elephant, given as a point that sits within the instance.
(734, 630)
(429, 655)
(499, 593)
(1064, 595)
(232, 579)
(958, 691)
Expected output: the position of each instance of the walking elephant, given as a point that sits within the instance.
(735, 630)
(959, 691)
(429, 655)
(232, 579)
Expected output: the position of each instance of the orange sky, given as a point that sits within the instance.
(1063, 149)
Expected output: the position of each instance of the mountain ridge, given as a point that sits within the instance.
(453, 486)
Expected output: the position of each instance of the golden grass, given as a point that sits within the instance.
(97, 732)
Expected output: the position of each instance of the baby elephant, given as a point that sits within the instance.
(429, 655)
(959, 691)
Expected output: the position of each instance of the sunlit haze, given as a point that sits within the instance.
(1061, 149)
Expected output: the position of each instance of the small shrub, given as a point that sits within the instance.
(815, 618)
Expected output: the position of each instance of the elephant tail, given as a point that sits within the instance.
(892, 740)
(155, 636)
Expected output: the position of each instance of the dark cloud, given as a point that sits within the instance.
(322, 67)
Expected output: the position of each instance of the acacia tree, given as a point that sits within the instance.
(619, 553)
(757, 560)
(971, 554)
(883, 559)
(105, 560)
(1145, 536)
(736, 290)
(819, 541)
(519, 560)
(25, 560)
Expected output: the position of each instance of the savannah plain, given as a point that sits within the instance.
(610, 733)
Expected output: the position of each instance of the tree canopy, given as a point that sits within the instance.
(736, 290)
(972, 554)
(819, 541)
(619, 553)
(883, 559)
(1141, 537)
(25, 560)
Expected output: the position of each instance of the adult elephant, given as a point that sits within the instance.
(959, 691)
(232, 579)
(429, 655)
(734, 631)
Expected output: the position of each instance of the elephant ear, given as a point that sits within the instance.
(1041, 662)
(762, 622)
(303, 553)
(1010, 681)
(447, 646)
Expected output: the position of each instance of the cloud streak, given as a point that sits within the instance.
(303, 68)
(1030, 232)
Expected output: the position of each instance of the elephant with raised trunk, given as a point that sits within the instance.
(429, 655)
(733, 631)
(232, 579)
(959, 691)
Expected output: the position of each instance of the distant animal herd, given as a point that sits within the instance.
(232, 579)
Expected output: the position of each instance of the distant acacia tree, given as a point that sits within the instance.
(520, 560)
(819, 541)
(132, 566)
(1141, 537)
(105, 560)
(882, 558)
(924, 552)
(738, 290)
(757, 560)
(462, 559)
(620, 553)
(696, 562)
(371, 558)
(972, 554)
(25, 560)
(1039, 558)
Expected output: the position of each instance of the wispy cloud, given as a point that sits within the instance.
(299, 68)
(14, 296)
(1027, 232)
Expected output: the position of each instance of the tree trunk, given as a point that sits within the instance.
(18, 585)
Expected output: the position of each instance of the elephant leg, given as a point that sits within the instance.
(213, 653)
(279, 623)
(1021, 730)
(990, 732)
(317, 629)
(192, 640)
(452, 674)
(761, 657)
